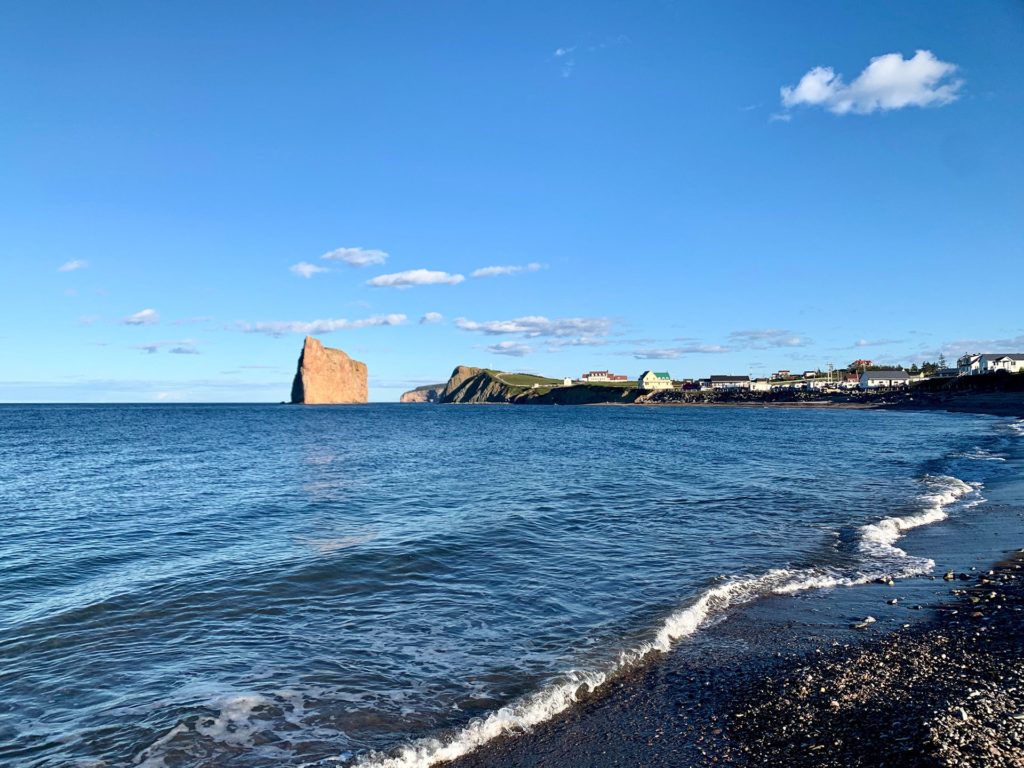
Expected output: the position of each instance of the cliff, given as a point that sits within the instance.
(328, 376)
(482, 385)
(429, 393)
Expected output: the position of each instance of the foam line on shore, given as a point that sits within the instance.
(876, 542)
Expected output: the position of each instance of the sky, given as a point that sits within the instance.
(187, 189)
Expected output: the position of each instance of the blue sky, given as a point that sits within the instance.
(188, 188)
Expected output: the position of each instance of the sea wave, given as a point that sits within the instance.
(881, 558)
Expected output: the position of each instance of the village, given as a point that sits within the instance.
(859, 374)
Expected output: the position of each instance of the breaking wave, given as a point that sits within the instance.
(880, 558)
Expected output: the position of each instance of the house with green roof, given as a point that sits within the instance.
(655, 380)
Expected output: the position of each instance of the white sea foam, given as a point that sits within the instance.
(234, 723)
(980, 454)
(882, 558)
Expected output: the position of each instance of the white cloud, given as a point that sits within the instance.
(143, 317)
(356, 257)
(888, 82)
(314, 327)
(431, 317)
(510, 348)
(307, 270)
(510, 270)
(71, 266)
(532, 326)
(768, 337)
(413, 277)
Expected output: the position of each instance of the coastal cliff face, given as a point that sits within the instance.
(482, 385)
(429, 393)
(328, 376)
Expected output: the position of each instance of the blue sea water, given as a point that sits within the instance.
(281, 586)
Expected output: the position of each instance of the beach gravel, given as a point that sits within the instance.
(946, 693)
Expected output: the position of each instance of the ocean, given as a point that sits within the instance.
(389, 585)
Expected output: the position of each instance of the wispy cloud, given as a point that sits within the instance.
(954, 349)
(431, 317)
(315, 327)
(768, 337)
(356, 257)
(888, 82)
(177, 347)
(510, 348)
(143, 317)
(674, 352)
(666, 353)
(567, 55)
(874, 342)
(306, 270)
(71, 266)
(509, 270)
(532, 326)
(413, 277)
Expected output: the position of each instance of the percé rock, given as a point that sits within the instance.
(328, 376)
(428, 393)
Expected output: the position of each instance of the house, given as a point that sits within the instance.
(884, 379)
(849, 381)
(781, 374)
(976, 365)
(1012, 363)
(567, 382)
(861, 364)
(810, 374)
(760, 385)
(655, 380)
(730, 382)
(590, 376)
(969, 365)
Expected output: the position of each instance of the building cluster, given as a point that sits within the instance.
(860, 374)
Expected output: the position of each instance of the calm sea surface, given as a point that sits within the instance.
(284, 586)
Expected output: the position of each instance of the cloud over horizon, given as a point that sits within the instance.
(768, 337)
(508, 270)
(316, 327)
(537, 325)
(306, 270)
(510, 348)
(888, 82)
(431, 317)
(356, 257)
(413, 277)
(143, 317)
(71, 266)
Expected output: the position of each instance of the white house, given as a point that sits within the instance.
(884, 379)
(655, 380)
(567, 382)
(975, 365)
(730, 382)
(760, 385)
(1012, 363)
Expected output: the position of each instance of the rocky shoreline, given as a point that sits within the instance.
(948, 693)
(945, 691)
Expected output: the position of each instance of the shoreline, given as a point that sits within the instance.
(735, 693)
(941, 692)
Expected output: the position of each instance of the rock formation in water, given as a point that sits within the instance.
(328, 376)
(428, 393)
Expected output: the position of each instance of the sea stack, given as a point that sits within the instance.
(328, 376)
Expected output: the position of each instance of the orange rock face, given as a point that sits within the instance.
(328, 376)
